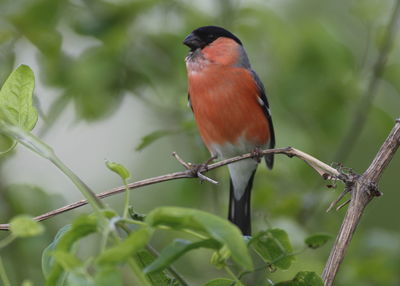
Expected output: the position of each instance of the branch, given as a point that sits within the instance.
(323, 169)
(363, 190)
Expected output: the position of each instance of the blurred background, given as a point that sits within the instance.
(111, 84)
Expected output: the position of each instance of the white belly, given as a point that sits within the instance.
(241, 171)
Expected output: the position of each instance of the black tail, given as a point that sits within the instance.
(239, 210)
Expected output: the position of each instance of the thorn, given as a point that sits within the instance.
(342, 205)
(335, 202)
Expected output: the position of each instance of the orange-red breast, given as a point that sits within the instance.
(230, 108)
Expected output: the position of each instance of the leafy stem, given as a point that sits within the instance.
(124, 174)
(91, 197)
(42, 149)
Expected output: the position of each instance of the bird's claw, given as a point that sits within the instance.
(257, 154)
(197, 169)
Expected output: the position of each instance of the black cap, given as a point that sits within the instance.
(203, 36)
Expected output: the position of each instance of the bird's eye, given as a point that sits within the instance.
(211, 36)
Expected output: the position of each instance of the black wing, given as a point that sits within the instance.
(269, 159)
(189, 103)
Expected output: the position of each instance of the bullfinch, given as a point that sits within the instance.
(231, 110)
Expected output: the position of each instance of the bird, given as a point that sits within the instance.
(230, 109)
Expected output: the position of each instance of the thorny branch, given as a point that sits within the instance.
(363, 189)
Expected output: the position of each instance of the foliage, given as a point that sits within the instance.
(317, 240)
(303, 279)
(274, 247)
(60, 262)
(25, 226)
(315, 59)
(16, 102)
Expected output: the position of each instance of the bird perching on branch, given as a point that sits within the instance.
(231, 110)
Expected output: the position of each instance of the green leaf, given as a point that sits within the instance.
(160, 278)
(67, 260)
(176, 249)
(220, 257)
(220, 282)
(6, 144)
(109, 213)
(47, 259)
(106, 276)
(274, 247)
(213, 226)
(317, 240)
(152, 137)
(25, 226)
(81, 227)
(118, 169)
(16, 104)
(16, 98)
(303, 278)
(134, 242)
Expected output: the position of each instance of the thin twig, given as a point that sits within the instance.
(335, 202)
(205, 178)
(343, 204)
(179, 159)
(319, 166)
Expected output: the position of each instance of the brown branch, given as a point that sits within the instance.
(363, 190)
(323, 169)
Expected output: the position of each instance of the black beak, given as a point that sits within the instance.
(193, 42)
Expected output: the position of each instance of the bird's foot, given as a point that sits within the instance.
(257, 154)
(196, 170)
(211, 159)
